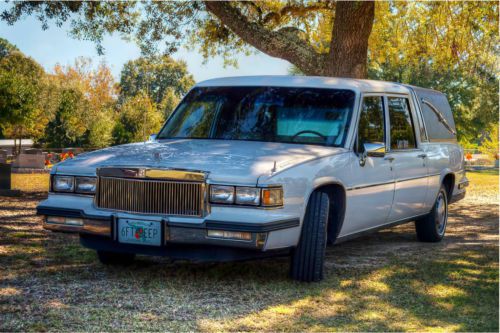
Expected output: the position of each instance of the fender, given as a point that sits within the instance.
(320, 182)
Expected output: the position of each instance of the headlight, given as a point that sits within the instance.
(222, 194)
(85, 185)
(272, 197)
(72, 184)
(248, 196)
(63, 184)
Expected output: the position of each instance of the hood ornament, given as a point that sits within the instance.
(274, 169)
(157, 156)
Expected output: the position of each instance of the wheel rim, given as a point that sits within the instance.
(441, 213)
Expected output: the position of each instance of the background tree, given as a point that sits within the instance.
(319, 37)
(93, 96)
(6, 47)
(280, 29)
(162, 78)
(139, 117)
(21, 85)
(452, 46)
(490, 144)
(67, 128)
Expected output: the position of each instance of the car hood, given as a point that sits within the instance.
(225, 160)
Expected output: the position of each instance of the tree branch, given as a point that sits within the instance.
(280, 44)
(296, 10)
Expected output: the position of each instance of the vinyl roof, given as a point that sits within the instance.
(307, 81)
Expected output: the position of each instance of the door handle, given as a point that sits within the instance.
(389, 158)
(422, 156)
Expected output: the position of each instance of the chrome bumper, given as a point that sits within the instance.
(174, 232)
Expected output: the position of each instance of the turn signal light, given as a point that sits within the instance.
(65, 220)
(229, 234)
(272, 197)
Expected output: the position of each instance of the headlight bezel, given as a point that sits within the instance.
(56, 178)
(74, 181)
(239, 203)
(229, 190)
(80, 180)
(240, 192)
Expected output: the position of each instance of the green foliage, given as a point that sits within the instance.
(159, 76)
(490, 145)
(138, 118)
(6, 48)
(473, 96)
(21, 86)
(67, 128)
(82, 99)
(448, 46)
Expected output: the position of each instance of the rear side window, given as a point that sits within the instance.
(437, 115)
(402, 131)
(371, 121)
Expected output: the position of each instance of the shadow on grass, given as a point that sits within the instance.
(382, 282)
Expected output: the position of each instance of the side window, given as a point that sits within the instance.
(371, 121)
(402, 131)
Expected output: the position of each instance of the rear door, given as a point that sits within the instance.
(407, 159)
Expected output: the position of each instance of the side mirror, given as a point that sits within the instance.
(152, 137)
(371, 149)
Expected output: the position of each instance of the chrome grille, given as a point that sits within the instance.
(150, 196)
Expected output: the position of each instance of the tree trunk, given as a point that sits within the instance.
(348, 49)
(352, 26)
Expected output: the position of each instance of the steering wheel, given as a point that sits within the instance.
(311, 132)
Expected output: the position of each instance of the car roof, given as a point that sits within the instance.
(358, 85)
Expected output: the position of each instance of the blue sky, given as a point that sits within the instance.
(54, 46)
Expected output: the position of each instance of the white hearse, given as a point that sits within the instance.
(260, 166)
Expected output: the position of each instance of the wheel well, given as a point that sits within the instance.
(337, 197)
(449, 183)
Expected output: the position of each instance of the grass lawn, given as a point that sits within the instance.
(34, 182)
(382, 282)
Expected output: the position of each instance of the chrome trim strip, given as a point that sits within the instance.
(152, 173)
(90, 226)
(391, 182)
(369, 185)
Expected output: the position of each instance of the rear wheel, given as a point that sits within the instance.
(308, 257)
(432, 227)
(113, 258)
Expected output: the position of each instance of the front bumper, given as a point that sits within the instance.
(100, 231)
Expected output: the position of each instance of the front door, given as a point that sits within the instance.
(407, 160)
(370, 194)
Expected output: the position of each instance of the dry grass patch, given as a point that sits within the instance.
(33, 182)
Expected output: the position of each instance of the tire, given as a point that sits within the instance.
(432, 227)
(113, 258)
(309, 255)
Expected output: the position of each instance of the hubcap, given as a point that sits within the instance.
(441, 213)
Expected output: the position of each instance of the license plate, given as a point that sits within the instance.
(139, 232)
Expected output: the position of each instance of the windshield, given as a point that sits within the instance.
(271, 114)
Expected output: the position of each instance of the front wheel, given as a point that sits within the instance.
(432, 227)
(309, 255)
(113, 258)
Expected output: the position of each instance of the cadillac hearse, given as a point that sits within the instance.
(252, 167)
